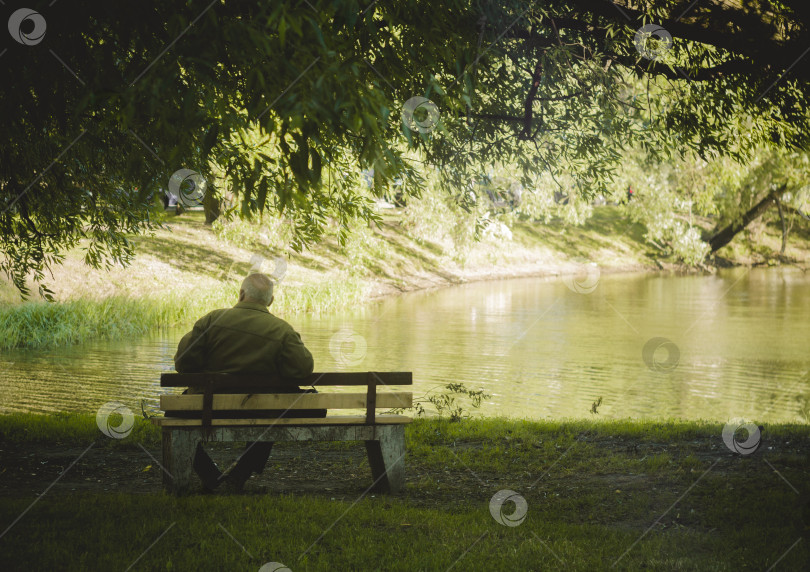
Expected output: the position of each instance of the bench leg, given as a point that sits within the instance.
(179, 447)
(386, 455)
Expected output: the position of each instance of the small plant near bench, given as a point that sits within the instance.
(445, 403)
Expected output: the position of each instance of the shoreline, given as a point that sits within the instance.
(186, 270)
(386, 289)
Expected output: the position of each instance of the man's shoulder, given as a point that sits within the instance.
(281, 323)
(258, 322)
(214, 313)
(263, 317)
(220, 315)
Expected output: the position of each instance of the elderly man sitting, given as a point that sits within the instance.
(244, 339)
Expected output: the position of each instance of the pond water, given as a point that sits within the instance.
(733, 344)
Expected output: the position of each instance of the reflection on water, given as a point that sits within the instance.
(538, 347)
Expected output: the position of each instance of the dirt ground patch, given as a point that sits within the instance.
(343, 474)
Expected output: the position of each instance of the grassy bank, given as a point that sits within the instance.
(637, 494)
(43, 324)
(181, 273)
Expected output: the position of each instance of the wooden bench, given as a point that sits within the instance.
(383, 434)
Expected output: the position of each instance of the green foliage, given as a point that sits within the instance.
(280, 104)
(688, 246)
(444, 218)
(268, 233)
(365, 251)
(669, 194)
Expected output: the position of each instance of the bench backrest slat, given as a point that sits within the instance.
(262, 381)
(371, 398)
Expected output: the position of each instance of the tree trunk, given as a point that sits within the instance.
(784, 226)
(211, 205)
(725, 236)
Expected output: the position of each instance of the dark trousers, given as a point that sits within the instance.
(256, 453)
(252, 460)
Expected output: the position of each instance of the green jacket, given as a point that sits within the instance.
(244, 339)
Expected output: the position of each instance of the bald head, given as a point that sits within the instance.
(257, 288)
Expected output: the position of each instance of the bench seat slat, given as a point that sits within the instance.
(236, 401)
(329, 420)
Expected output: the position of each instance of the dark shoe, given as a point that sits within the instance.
(252, 460)
(235, 481)
(206, 469)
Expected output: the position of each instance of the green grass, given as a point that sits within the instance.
(70, 429)
(77, 428)
(43, 324)
(592, 488)
(111, 532)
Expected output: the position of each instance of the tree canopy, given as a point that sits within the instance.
(283, 103)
